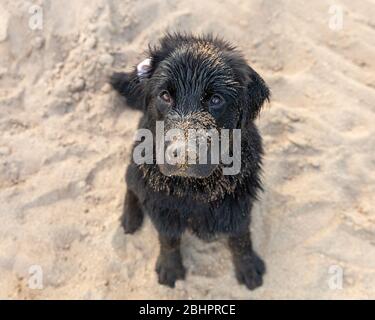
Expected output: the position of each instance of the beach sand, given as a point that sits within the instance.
(65, 140)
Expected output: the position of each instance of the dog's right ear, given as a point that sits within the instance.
(131, 85)
(257, 94)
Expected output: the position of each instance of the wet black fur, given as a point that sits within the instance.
(217, 205)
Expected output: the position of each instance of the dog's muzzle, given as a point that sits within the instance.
(188, 148)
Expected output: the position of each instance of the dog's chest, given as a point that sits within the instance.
(173, 215)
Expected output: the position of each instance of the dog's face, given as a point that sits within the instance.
(195, 84)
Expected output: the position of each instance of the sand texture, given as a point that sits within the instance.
(65, 141)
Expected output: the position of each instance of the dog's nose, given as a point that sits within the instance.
(182, 153)
(182, 159)
(175, 153)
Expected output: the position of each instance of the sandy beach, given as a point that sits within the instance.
(65, 140)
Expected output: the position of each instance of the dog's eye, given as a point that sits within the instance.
(216, 101)
(165, 96)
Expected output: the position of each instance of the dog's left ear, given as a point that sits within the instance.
(257, 92)
(131, 85)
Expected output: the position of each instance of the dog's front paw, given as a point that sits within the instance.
(132, 218)
(132, 214)
(131, 223)
(169, 268)
(250, 271)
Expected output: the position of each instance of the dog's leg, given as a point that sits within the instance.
(169, 266)
(248, 265)
(132, 216)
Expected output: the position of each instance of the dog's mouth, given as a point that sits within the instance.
(198, 171)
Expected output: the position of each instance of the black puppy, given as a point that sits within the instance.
(196, 82)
